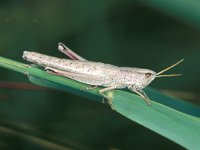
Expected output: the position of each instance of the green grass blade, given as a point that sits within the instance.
(171, 122)
(175, 125)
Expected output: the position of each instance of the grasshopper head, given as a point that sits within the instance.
(146, 76)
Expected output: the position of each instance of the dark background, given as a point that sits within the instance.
(123, 33)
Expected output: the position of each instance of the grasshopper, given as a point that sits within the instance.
(96, 73)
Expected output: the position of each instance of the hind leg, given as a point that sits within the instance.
(64, 49)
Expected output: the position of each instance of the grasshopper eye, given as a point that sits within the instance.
(148, 75)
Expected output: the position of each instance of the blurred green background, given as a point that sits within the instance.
(148, 34)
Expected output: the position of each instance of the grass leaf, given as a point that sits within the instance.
(171, 118)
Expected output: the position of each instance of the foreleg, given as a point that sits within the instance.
(142, 94)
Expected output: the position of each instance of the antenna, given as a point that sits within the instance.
(159, 74)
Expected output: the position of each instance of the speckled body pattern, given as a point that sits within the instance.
(94, 73)
(97, 73)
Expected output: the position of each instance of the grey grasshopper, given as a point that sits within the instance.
(96, 73)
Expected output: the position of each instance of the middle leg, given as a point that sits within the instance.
(102, 92)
